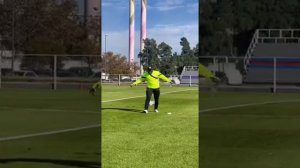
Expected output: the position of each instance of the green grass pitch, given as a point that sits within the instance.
(134, 139)
(249, 130)
(25, 112)
(129, 138)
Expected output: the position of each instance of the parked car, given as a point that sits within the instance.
(126, 78)
(43, 72)
(103, 75)
(65, 73)
(5, 71)
(134, 78)
(81, 71)
(23, 73)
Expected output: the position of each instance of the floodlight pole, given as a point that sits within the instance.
(143, 30)
(131, 31)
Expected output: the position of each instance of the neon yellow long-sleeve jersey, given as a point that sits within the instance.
(203, 71)
(152, 79)
(96, 85)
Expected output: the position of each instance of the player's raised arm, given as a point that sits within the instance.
(203, 71)
(164, 78)
(138, 81)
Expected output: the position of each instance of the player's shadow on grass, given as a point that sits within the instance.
(123, 109)
(73, 163)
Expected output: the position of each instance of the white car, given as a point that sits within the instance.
(104, 76)
(24, 73)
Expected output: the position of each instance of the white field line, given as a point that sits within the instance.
(70, 129)
(47, 133)
(106, 101)
(247, 105)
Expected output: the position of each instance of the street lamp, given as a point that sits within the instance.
(105, 43)
(105, 52)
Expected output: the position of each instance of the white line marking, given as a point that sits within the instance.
(248, 104)
(144, 96)
(70, 129)
(47, 133)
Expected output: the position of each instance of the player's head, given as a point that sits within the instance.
(149, 68)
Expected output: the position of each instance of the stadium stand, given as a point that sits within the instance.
(189, 75)
(273, 54)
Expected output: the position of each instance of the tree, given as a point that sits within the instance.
(149, 55)
(117, 64)
(227, 26)
(196, 51)
(187, 54)
(47, 27)
(161, 56)
(167, 62)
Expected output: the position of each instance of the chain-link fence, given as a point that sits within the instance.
(126, 79)
(66, 71)
(49, 71)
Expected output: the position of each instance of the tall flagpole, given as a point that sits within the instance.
(131, 32)
(143, 27)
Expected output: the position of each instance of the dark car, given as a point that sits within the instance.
(65, 73)
(43, 72)
(81, 71)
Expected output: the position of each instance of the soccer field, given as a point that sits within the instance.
(134, 139)
(249, 130)
(49, 129)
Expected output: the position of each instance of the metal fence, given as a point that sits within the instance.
(64, 71)
(264, 73)
(126, 79)
(49, 71)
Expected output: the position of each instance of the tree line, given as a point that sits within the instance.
(159, 56)
(47, 27)
(227, 26)
(54, 27)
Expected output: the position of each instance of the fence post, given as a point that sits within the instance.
(274, 74)
(214, 61)
(54, 72)
(119, 83)
(190, 81)
(1, 68)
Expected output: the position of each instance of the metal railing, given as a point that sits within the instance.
(49, 70)
(126, 79)
(278, 35)
(251, 49)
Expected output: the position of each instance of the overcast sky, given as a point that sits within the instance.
(167, 21)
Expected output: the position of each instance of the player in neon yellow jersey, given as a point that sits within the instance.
(96, 86)
(152, 77)
(203, 71)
